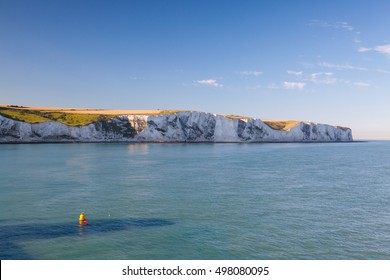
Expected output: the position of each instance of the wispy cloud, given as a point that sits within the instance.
(351, 67)
(382, 71)
(295, 73)
(273, 86)
(287, 85)
(294, 85)
(344, 25)
(342, 66)
(335, 25)
(323, 78)
(136, 78)
(319, 23)
(251, 73)
(385, 49)
(364, 49)
(315, 75)
(361, 84)
(209, 82)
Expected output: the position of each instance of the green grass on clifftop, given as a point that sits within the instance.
(80, 117)
(33, 116)
(170, 112)
(281, 125)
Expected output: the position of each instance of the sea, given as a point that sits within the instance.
(274, 201)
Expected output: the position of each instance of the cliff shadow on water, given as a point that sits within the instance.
(11, 235)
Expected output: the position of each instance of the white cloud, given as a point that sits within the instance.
(273, 86)
(136, 78)
(321, 74)
(209, 82)
(342, 66)
(294, 85)
(254, 87)
(382, 71)
(364, 49)
(383, 49)
(320, 23)
(251, 73)
(295, 73)
(335, 25)
(350, 67)
(323, 78)
(344, 25)
(361, 84)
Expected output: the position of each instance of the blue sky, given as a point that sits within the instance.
(321, 61)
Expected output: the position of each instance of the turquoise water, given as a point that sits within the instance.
(195, 201)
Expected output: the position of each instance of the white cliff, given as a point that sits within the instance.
(179, 127)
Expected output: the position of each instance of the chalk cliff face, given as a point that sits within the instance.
(179, 127)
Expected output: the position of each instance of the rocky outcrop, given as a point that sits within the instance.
(179, 127)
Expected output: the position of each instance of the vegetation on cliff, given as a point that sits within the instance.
(281, 125)
(80, 117)
(35, 116)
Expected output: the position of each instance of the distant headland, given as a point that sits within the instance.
(24, 124)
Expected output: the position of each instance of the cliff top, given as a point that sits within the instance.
(85, 116)
(90, 111)
(70, 116)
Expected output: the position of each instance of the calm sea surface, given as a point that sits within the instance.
(195, 201)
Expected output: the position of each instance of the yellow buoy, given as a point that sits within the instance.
(82, 218)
